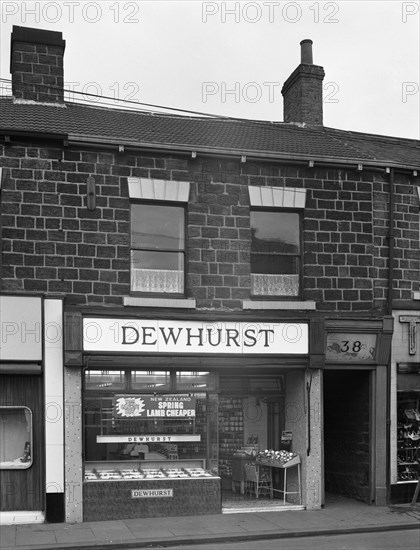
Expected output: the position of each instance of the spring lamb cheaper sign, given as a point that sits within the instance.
(154, 406)
(158, 336)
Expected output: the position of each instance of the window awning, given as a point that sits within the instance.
(158, 190)
(277, 197)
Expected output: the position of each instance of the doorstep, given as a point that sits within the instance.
(261, 507)
(21, 516)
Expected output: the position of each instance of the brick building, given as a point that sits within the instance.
(250, 272)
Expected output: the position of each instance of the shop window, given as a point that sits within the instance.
(408, 436)
(148, 419)
(263, 386)
(15, 438)
(150, 380)
(194, 381)
(105, 380)
(157, 248)
(275, 253)
(146, 427)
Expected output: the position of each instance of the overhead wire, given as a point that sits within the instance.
(135, 105)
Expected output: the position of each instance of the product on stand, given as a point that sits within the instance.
(275, 457)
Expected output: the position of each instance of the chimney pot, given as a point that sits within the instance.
(306, 52)
(302, 91)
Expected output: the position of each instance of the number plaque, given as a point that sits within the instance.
(351, 347)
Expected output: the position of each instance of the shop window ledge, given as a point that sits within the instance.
(403, 481)
(276, 304)
(188, 303)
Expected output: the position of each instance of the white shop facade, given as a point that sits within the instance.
(168, 404)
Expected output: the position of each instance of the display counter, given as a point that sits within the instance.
(133, 489)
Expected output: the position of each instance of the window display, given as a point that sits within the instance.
(99, 473)
(149, 434)
(177, 431)
(15, 438)
(408, 436)
(144, 425)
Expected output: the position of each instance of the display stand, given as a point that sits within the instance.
(416, 493)
(258, 479)
(149, 488)
(295, 462)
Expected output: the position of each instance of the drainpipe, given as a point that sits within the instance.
(308, 390)
(391, 241)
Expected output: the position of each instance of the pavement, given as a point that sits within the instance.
(339, 516)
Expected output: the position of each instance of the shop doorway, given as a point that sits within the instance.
(21, 444)
(250, 419)
(347, 435)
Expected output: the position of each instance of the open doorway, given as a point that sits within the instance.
(250, 419)
(347, 435)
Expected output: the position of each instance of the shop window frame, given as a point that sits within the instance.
(281, 297)
(183, 251)
(408, 450)
(30, 462)
(172, 387)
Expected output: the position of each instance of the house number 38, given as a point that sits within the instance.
(346, 344)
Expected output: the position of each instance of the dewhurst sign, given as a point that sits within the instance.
(157, 336)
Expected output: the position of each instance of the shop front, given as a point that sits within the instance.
(31, 410)
(405, 407)
(178, 415)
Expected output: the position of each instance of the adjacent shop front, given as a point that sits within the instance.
(173, 410)
(405, 406)
(31, 409)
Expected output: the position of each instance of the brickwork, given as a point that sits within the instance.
(53, 244)
(302, 95)
(407, 242)
(37, 68)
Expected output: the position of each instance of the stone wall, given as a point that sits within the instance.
(51, 242)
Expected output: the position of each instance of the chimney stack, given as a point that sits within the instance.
(302, 91)
(36, 64)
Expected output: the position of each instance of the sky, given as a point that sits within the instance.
(232, 58)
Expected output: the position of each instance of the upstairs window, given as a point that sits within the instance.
(276, 249)
(157, 248)
(158, 235)
(275, 253)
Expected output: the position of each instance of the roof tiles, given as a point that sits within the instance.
(249, 137)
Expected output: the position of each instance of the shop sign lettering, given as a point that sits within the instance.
(351, 347)
(154, 406)
(412, 322)
(156, 336)
(151, 493)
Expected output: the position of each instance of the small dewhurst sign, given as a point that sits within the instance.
(158, 336)
(151, 493)
(148, 438)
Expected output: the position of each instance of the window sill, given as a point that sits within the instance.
(175, 303)
(274, 304)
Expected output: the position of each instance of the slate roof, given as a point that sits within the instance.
(244, 137)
